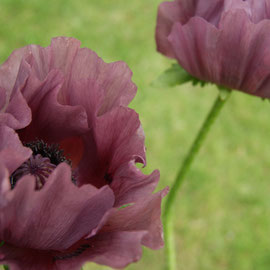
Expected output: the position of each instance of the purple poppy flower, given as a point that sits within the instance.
(226, 42)
(70, 189)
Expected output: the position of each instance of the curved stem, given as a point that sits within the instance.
(168, 213)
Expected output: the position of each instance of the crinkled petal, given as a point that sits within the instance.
(143, 215)
(130, 184)
(12, 152)
(51, 121)
(17, 114)
(82, 66)
(88, 81)
(14, 111)
(118, 139)
(59, 55)
(55, 217)
(114, 249)
(9, 69)
(98, 86)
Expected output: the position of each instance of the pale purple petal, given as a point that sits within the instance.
(118, 138)
(247, 66)
(130, 184)
(16, 114)
(12, 152)
(143, 215)
(88, 84)
(82, 66)
(88, 81)
(14, 111)
(9, 69)
(48, 115)
(168, 14)
(98, 86)
(115, 249)
(59, 221)
(194, 45)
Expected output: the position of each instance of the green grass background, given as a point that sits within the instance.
(222, 211)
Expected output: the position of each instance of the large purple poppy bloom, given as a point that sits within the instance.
(222, 41)
(70, 189)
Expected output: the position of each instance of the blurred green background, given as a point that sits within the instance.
(223, 210)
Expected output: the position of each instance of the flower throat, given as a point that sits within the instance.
(43, 161)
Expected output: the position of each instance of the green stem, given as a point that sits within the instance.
(168, 213)
(5, 267)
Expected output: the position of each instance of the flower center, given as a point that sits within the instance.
(43, 161)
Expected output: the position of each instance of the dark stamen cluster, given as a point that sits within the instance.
(53, 152)
(76, 253)
(43, 161)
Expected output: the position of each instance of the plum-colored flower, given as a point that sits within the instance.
(70, 189)
(226, 42)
